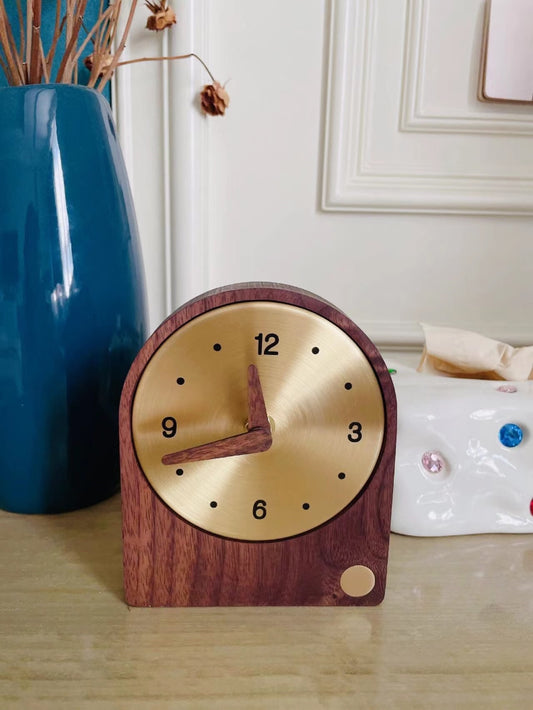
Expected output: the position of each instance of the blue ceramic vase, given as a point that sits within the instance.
(72, 300)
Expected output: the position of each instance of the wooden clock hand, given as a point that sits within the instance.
(258, 438)
(251, 442)
(257, 414)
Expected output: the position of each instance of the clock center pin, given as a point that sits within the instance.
(270, 421)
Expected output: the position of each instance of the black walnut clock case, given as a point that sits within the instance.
(257, 438)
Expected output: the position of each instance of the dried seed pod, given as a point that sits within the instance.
(214, 99)
(162, 16)
(102, 61)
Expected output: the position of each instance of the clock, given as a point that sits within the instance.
(257, 440)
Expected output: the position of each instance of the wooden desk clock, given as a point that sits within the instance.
(257, 438)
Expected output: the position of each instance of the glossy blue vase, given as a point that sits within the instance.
(72, 299)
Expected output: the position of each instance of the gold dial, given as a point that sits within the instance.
(284, 476)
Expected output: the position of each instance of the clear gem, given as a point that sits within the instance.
(511, 435)
(507, 388)
(433, 461)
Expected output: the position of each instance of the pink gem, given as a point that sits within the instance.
(507, 388)
(433, 461)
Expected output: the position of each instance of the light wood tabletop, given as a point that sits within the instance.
(454, 631)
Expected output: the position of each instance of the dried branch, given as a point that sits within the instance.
(92, 32)
(23, 58)
(29, 22)
(35, 70)
(102, 54)
(64, 72)
(7, 42)
(58, 31)
(46, 73)
(21, 29)
(109, 71)
(166, 59)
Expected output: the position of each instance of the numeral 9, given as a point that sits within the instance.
(170, 427)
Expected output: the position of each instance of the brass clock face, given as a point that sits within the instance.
(325, 413)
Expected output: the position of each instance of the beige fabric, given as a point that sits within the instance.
(460, 353)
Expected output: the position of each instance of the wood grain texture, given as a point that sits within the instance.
(257, 413)
(253, 441)
(168, 562)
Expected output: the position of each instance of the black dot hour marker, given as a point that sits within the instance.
(305, 506)
(179, 472)
(348, 386)
(180, 381)
(315, 351)
(213, 504)
(217, 347)
(342, 475)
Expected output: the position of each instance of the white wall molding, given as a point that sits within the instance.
(187, 163)
(418, 115)
(383, 154)
(262, 192)
(165, 150)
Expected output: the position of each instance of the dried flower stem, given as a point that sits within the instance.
(23, 59)
(92, 32)
(58, 30)
(103, 46)
(7, 42)
(35, 57)
(102, 41)
(164, 59)
(43, 63)
(69, 14)
(64, 72)
(109, 71)
(97, 34)
(26, 59)
(21, 28)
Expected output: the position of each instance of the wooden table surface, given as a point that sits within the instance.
(454, 631)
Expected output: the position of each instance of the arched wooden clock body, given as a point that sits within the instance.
(257, 436)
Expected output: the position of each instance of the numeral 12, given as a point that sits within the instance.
(267, 343)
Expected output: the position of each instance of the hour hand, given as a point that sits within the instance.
(258, 438)
(253, 441)
(257, 414)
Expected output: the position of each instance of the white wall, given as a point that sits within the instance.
(354, 161)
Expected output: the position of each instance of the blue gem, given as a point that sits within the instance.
(511, 435)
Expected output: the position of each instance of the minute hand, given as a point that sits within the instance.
(253, 441)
